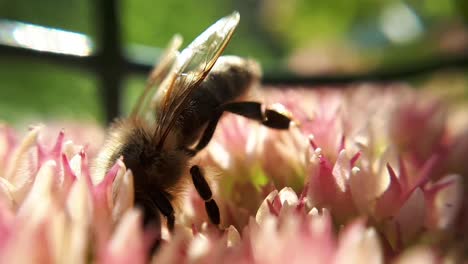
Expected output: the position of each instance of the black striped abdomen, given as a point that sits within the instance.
(230, 78)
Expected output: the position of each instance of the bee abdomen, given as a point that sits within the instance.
(230, 78)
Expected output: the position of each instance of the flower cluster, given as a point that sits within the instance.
(387, 155)
(364, 175)
(51, 212)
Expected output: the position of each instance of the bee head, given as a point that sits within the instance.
(153, 167)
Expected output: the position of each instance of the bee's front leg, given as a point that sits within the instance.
(205, 193)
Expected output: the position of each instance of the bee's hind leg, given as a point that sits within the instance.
(269, 117)
(205, 193)
(252, 110)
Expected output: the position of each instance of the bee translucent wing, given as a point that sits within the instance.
(201, 54)
(191, 67)
(157, 75)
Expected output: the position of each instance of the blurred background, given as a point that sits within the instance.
(87, 60)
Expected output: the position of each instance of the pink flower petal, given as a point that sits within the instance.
(444, 200)
(410, 217)
(123, 193)
(126, 245)
(358, 244)
(418, 255)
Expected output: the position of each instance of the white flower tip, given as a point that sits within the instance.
(69, 149)
(233, 236)
(50, 163)
(314, 212)
(199, 247)
(343, 152)
(355, 170)
(362, 140)
(318, 151)
(220, 155)
(75, 165)
(271, 195)
(121, 163)
(204, 226)
(264, 210)
(370, 233)
(288, 195)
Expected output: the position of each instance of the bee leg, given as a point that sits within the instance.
(205, 193)
(207, 134)
(252, 110)
(151, 213)
(165, 207)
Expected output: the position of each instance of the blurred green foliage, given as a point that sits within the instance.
(74, 15)
(270, 30)
(37, 91)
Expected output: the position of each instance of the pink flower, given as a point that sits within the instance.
(283, 156)
(358, 183)
(419, 127)
(346, 156)
(52, 212)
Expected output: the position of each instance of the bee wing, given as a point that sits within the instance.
(191, 67)
(157, 75)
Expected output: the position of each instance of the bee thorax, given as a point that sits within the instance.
(154, 169)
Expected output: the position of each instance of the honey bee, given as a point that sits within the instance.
(176, 116)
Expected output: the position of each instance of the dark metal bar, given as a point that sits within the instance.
(403, 73)
(110, 64)
(110, 59)
(84, 62)
(408, 71)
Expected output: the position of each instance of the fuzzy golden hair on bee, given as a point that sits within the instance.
(175, 118)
